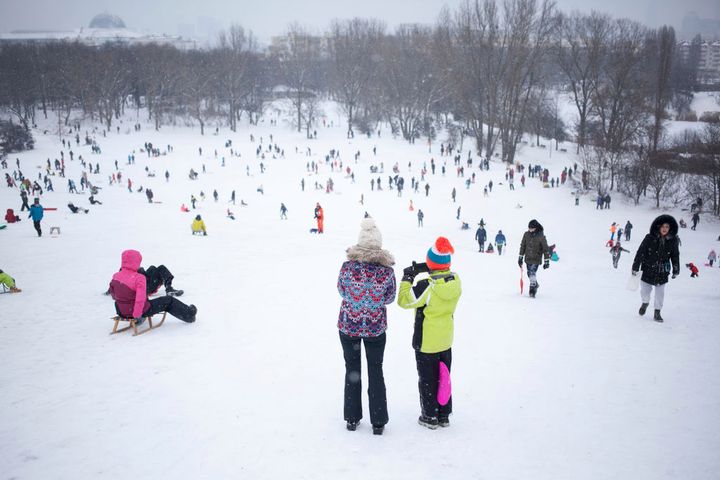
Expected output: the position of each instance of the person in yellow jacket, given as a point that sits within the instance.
(434, 299)
(8, 283)
(198, 226)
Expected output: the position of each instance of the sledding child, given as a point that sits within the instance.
(434, 299)
(198, 226)
(8, 282)
(712, 256)
(490, 248)
(693, 269)
(616, 251)
(129, 289)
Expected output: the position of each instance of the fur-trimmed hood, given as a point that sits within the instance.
(670, 220)
(368, 255)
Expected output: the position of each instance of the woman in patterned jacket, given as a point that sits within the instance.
(366, 284)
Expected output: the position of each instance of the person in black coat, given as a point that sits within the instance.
(657, 256)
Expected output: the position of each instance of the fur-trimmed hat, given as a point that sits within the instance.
(439, 254)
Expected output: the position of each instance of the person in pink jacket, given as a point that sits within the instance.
(129, 290)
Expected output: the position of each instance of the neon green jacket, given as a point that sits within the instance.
(434, 300)
(7, 280)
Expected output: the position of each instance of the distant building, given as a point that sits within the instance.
(103, 28)
(708, 60)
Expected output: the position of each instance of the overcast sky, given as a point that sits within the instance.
(270, 17)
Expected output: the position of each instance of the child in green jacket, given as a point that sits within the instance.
(434, 299)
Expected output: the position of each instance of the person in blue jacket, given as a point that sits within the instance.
(481, 237)
(36, 213)
(500, 241)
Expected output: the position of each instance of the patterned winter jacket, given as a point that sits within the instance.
(128, 286)
(365, 289)
(534, 246)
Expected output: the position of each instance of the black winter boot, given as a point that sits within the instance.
(428, 422)
(643, 308)
(378, 429)
(657, 317)
(352, 426)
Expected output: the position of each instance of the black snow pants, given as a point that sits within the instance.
(173, 306)
(374, 351)
(37, 228)
(157, 276)
(428, 367)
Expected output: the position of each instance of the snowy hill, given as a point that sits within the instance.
(570, 385)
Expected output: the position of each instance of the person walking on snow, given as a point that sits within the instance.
(420, 216)
(366, 284)
(628, 230)
(283, 211)
(695, 220)
(616, 251)
(533, 248)
(481, 237)
(694, 272)
(434, 299)
(657, 256)
(36, 213)
(712, 256)
(500, 241)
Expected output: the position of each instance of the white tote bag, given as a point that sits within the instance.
(633, 282)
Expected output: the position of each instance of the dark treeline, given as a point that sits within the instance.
(490, 70)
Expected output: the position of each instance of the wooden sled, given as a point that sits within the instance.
(133, 326)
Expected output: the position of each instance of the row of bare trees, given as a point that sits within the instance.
(491, 69)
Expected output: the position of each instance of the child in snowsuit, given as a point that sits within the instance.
(711, 257)
(320, 217)
(693, 269)
(198, 226)
(616, 251)
(8, 282)
(434, 299)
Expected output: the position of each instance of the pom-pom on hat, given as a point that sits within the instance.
(369, 237)
(439, 255)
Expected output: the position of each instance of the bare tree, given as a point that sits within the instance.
(353, 62)
(581, 47)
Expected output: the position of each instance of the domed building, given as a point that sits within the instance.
(103, 29)
(106, 20)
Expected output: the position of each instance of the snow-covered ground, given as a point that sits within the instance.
(571, 385)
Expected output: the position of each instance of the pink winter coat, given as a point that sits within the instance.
(128, 287)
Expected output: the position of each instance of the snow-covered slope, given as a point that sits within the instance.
(573, 384)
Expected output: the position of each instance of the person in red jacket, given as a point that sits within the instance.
(320, 216)
(693, 269)
(129, 290)
(10, 216)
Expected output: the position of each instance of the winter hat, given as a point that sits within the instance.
(198, 217)
(369, 237)
(439, 255)
(534, 224)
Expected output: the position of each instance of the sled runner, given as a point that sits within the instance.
(134, 326)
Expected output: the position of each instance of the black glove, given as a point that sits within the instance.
(412, 271)
(409, 274)
(546, 264)
(674, 275)
(520, 261)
